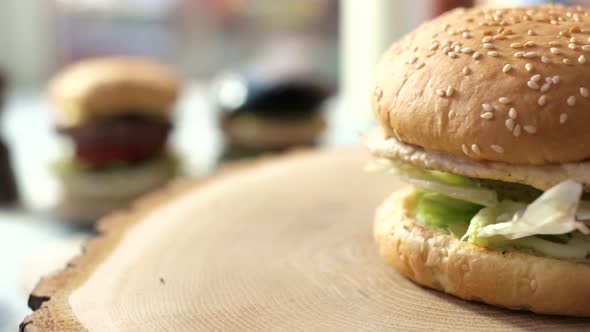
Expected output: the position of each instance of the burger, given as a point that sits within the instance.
(116, 112)
(485, 113)
(258, 116)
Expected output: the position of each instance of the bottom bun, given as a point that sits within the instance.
(90, 194)
(85, 212)
(513, 280)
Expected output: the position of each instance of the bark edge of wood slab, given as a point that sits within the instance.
(283, 257)
(48, 300)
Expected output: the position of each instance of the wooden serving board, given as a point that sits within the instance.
(277, 245)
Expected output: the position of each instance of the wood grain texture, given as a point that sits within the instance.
(275, 246)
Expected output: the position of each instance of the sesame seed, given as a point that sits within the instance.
(571, 101)
(545, 87)
(512, 113)
(530, 54)
(545, 59)
(574, 40)
(475, 149)
(466, 50)
(584, 92)
(530, 129)
(499, 37)
(582, 59)
(434, 46)
(530, 43)
(573, 46)
(497, 148)
(555, 50)
(528, 67)
(450, 91)
(519, 54)
(465, 149)
(507, 67)
(446, 49)
(457, 49)
(555, 79)
(564, 34)
(487, 107)
(476, 55)
(504, 100)
(533, 85)
(586, 47)
(493, 53)
(440, 92)
(420, 65)
(509, 124)
(452, 55)
(567, 61)
(575, 28)
(542, 101)
(516, 45)
(517, 130)
(486, 39)
(412, 60)
(536, 78)
(451, 114)
(466, 34)
(487, 115)
(466, 71)
(563, 118)
(554, 43)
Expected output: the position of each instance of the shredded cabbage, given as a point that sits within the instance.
(583, 211)
(577, 248)
(491, 215)
(552, 225)
(451, 185)
(552, 213)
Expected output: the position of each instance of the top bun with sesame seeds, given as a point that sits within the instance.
(110, 86)
(501, 85)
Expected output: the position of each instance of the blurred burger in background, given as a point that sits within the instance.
(117, 114)
(258, 116)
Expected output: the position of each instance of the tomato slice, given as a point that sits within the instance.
(124, 139)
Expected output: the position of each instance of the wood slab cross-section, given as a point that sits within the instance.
(278, 245)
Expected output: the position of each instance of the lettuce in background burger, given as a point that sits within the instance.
(486, 113)
(117, 113)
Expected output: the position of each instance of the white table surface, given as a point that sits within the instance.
(32, 242)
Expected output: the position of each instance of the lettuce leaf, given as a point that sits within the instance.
(451, 185)
(438, 210)
(552, 213)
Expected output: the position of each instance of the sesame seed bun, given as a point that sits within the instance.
(506, 85)
(106, 87)
(507, 279)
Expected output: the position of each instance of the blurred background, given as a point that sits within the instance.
(231, 54)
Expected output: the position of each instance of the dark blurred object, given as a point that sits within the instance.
(441, 6)
(8, 191)
(270, 116)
